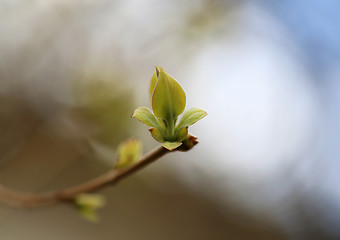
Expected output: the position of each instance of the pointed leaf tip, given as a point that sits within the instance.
(158, 69)
(168, 99)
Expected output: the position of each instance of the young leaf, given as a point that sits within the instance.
(128, 153)
(145, 116)
(153, 83)
(190, 117)
(168, 99)
(157, 135)
(182, 134)
(171, 145)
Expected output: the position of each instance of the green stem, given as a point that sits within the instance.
(171, 129)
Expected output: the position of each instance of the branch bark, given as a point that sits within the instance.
(24, 199)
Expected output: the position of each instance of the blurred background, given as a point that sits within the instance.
(267, 72)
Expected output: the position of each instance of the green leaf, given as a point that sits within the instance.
(190, 117)
(153, 83)
(128, 153)
(182, 134)
(171, 145)
(168, 99)
(157, 135)
(144, 115)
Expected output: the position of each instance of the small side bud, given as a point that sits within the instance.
(128, 153)
(87, 204)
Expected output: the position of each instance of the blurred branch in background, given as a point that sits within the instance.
(267, 73)
(22, 199)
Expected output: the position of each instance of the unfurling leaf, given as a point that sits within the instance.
(128, 153)
(182, 134)
(153, 83)
(157, 135)
(168, 101)
(87, 204)
(168, 98)
(146, 116)
(190, 117)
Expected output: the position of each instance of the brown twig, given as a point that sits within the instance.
(23, 199)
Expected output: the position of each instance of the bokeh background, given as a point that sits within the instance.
(267, 72)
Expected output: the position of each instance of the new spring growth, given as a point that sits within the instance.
(87, 204)
(129, 152)
(168, 102)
